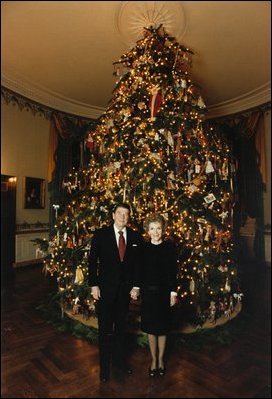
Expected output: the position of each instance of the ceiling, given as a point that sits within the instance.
(60, 53)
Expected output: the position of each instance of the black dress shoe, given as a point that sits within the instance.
(152, 372)
(104, 376)
(161, 371)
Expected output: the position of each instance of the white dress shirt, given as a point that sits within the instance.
(117, 235)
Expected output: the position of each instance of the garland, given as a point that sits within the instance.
(36, 108)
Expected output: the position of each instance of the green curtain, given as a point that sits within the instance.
(68, 154)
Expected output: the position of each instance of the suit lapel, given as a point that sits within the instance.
(128, 242)
(113, 242)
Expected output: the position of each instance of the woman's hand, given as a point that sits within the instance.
(95, 292)
(134, 293)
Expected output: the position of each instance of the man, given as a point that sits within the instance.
(111, 271)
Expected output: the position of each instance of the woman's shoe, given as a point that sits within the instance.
(152, 372)
(161, 371)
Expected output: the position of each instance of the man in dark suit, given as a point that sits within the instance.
(111, 272)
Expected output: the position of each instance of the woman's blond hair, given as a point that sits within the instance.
(155, 218)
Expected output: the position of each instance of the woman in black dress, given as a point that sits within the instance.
(156, 277)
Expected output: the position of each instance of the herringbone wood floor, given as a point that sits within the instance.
(40, 362)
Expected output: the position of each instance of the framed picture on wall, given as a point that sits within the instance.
(34, 193)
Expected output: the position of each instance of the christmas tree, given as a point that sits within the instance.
(150, 149)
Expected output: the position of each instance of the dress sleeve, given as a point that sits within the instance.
(173, 266)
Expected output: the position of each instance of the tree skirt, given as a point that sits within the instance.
(185, 329)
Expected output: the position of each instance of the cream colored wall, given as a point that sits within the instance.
(24, 151)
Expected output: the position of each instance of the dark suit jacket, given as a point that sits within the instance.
(105, 268)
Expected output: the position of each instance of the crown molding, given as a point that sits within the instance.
(249, 100)
(51, 99)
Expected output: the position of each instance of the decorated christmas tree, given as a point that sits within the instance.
(150, 149)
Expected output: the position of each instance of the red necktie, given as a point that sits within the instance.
(121, 245)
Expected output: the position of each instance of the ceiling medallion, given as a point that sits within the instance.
(133, 16)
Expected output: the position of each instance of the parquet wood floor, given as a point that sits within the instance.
(40, 362)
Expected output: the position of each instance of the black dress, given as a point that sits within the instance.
(157, 278)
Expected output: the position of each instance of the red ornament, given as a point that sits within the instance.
(89, 142)
(155, 102)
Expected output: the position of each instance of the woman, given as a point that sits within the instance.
(156, 277)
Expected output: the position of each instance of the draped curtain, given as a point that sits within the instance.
(66, 143)
(245, 132)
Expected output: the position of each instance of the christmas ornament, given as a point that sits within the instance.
(155, 102)
(238, 296)
(209, 198)
(200, 102)
(212, 310)
(56, 208)
(170, 139)
(89, 142)
(227, 287)
(192, 285)
(223, 215)
(197, 166)
(225, 170)
(223, 269)
(141, 105)
(209, 167)
(76, 306)
(79, 276)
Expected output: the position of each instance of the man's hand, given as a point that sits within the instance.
(173, 298)
(134, 293)
(95, 292)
